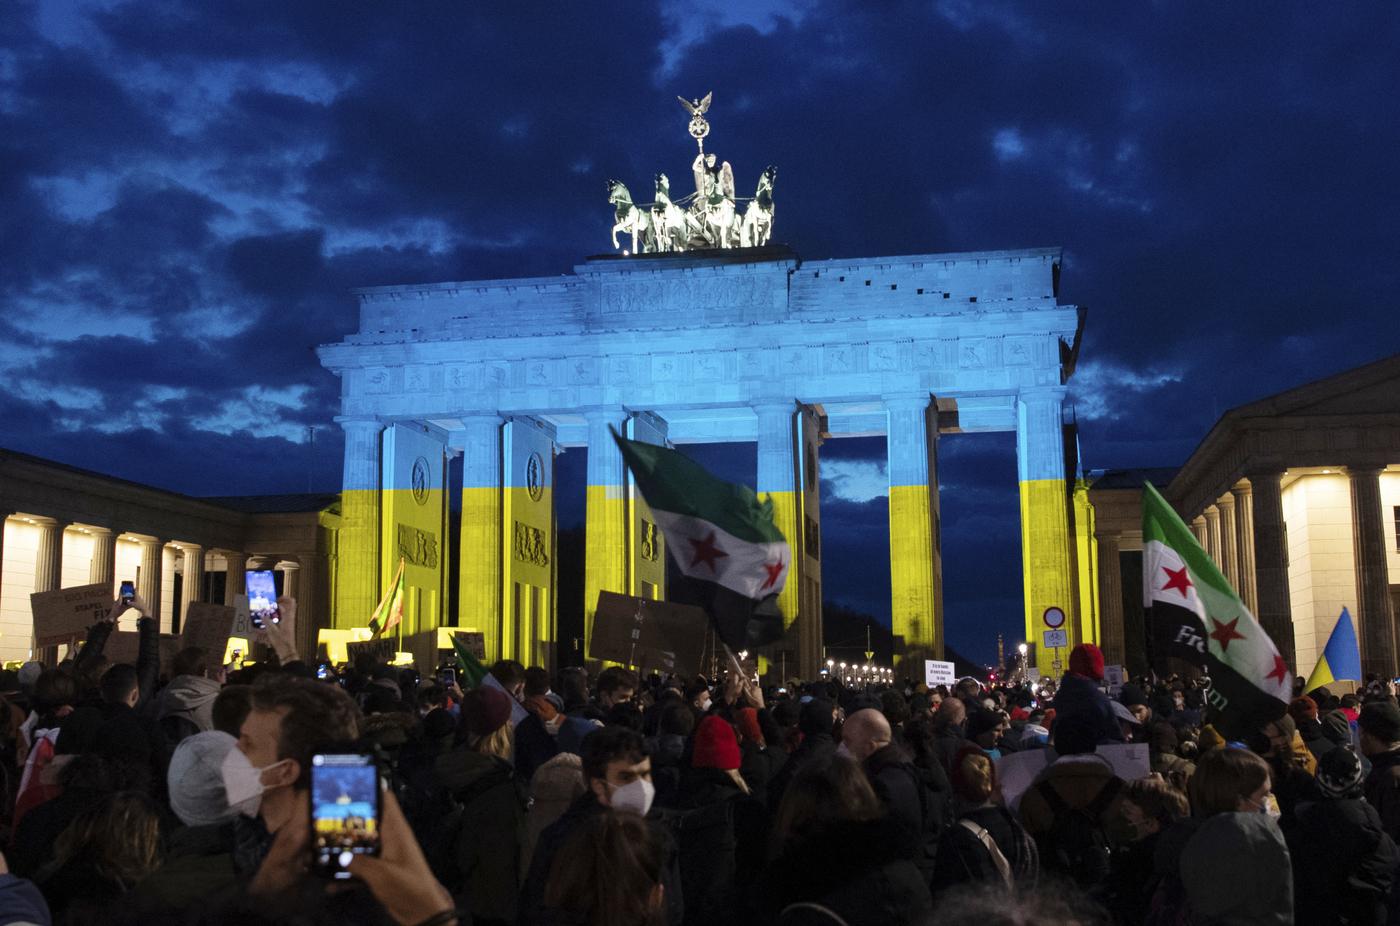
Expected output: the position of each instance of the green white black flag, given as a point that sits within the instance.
(1196, 616)
(721, 537)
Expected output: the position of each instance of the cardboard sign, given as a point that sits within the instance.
(649, 634)
(1114, 677)
(939, 673)
(424, 647)
(66, 613)
(242, 618)
(473, 642)
(208, 626)
(125, 646)
(379, 651)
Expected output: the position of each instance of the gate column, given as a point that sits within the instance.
(606, 518)
(357, 585)
(915, 565)
(1045, 537)
(479, 549)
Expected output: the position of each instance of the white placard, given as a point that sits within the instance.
(1017, 771)
(1056, 638)
(939, 673)
(1114, 677)
(1033, 675)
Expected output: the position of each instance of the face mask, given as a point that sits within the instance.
(704, 706)
(635, 796)
(243, 783)
(552, 726)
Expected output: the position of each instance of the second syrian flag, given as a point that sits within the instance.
(721, 537)
(1196, 616)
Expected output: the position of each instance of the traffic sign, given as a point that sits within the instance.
(1056, 638)
(1054, 618)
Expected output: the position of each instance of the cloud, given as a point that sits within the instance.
(855, 480)
(1100, 388)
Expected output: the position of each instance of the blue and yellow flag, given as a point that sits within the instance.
(1341, 658)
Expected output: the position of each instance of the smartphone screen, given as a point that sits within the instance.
(323, 671)
(262, 598)
(344, 811)
(448, 677)
(128, 591)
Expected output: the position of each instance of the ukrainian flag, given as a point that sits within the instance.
(1341, 659)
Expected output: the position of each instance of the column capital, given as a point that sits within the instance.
(1211, 512)
(1265, 474)
(1363, 470)
(1241, 490)
(360, 425)
(606, 414)
(774, 405)
(1108, 536)
(1225, 501)
(1042, 394)
(911, 401)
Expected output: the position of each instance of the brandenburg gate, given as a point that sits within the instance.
(728, 345)
(698, 331)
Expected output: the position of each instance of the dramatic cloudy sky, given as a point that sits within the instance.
(187, 191)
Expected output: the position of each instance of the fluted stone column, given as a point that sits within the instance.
(917, 618)
(606, 520)
(776, 479)
(1271, 563)
(291, 580)
(1244, 545)
(148, 584)
(192, 577)
(1373, 607)
(479, 549)
(1111, 598)
(235, 576)
(1229, 558)
(104, 556)
(1046, 559)
(1198, 527)
(48, 560)
(1213, 533)
(357, 578)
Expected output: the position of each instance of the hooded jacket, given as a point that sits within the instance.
(1236, 870)
(487, 836)
(190, 697)
(1343, 863)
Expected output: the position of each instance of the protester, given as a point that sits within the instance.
(1380, 744)
(608, 873)
(186, 705)
(987, 845)
(554, 786)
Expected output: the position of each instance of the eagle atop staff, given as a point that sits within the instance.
(699, 127)
(697, 107)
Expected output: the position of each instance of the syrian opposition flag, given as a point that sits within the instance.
(721, 537)
(389, 612)
(1196, 616)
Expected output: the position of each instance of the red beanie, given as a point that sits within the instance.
(715, 745)
(748, 725)
(1020, 713)
(1087, 659)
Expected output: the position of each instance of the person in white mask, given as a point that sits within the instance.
(617, 776)
(291, 720)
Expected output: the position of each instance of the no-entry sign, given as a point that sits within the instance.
(1054, 618)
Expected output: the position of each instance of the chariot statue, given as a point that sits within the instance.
(713, 216)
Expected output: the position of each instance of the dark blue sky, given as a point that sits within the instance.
(187, 190)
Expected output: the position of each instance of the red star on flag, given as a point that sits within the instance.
(774, 571)
(1224, 633)
(706, 551)
(1280, 669)
(1177, 579)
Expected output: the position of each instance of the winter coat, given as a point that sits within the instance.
(720, 835)
(1078, 780)
(947, 743)
(1292, 785)
(1383, 790)
(21, 903)
(900, 788)
(667, 752)
(555, 785)
(1343, 863)
(1236, 870)
(854, 868)
(759, 765)
(1318, 743)
(486, 837)
(190, 697)
(1080, 696)
(555, 836)
(198, 864)
(816, 750)
(963, 858)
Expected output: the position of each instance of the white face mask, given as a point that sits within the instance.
(704, 705)
(243, 783)
(552, 726)
(635, 796)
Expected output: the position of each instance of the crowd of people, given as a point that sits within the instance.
(619, 800)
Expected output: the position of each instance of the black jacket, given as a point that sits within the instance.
(531, 906)
(1343, 863)
(758, 767)
(720, 834)
(1383, 790)
(900, 787)
(485, 826)
(963, 859)
(815, 750)
(855, 868)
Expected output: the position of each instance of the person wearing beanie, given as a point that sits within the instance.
(985, 729)
(816, 722)
(1379, 724)
(1081, 704)
(1291, 774)
(198, 859)
(483, 838)
(555, 785)
(1343, 861)
(985, 837)
(720, 824)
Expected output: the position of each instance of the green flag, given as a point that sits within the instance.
(472, 669)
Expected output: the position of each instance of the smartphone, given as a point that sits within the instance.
(323, 671)
(344, 811)
(447, 676)
(128, 591)
(262, 599)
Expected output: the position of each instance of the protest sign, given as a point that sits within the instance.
(939, 673)
(424, 649)
(473, 642)
(125, 646)
(646, 633)
(242, 618)
(1113, 677)
(381, 650)
(208, 627)
(65, 614)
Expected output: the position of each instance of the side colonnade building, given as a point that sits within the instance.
(739, 345)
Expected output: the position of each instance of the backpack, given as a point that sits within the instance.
(439, 823)
(706, 847)
(1076, 845)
